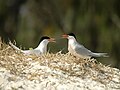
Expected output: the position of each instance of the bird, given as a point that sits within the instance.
(78, 49)
(40, 49)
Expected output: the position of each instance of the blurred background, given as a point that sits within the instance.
(96, 24)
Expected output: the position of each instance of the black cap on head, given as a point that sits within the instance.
(72, 34)
(44, 37)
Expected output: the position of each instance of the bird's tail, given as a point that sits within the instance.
(14, 47)
(100, 55)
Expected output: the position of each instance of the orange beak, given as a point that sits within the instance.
(52, 40)
(65, 36)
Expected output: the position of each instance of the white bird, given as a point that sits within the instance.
(41, 49)
(79, 50)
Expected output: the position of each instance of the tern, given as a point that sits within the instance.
(79, 50)
(41, 49)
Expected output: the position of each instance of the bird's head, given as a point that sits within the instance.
(47, 39)
(69, 36)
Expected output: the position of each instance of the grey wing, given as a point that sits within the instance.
(80, 49)
(37, 52)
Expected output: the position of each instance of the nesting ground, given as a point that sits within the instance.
(54, 72)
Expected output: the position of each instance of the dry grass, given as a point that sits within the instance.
(16, 62)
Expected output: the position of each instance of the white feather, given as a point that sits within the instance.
(41, 49)
(79, 50)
